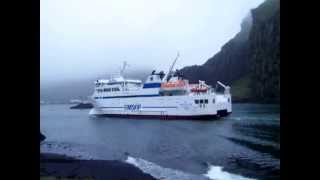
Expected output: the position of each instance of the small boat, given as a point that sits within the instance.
(83, 105)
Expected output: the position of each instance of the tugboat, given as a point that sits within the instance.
(161, 96)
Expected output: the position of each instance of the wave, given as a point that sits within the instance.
(217, 173)
(260, 119)
(158, 172)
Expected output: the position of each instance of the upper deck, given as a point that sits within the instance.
(154, 85)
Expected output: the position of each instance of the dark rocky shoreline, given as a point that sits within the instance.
(42, 137)
(61, 166)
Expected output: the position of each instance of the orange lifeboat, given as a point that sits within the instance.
(173, 85)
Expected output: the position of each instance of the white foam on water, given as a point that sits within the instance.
(159, 172)
(132, 161)
(216, 173)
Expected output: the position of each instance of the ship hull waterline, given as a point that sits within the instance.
(220, 114)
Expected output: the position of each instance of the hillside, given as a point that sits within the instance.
(264, 57)
(230, 63)
(250, 60)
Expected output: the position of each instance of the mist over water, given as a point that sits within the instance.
(63, 91)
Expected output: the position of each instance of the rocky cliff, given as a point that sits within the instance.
(230, 63)
(249, 62)
(264, 42)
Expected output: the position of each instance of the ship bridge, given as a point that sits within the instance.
(154, 80)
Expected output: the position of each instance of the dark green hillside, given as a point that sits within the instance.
(250, 62)
(265, 52)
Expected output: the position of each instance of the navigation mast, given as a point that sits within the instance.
(125, 64)
(168, 76)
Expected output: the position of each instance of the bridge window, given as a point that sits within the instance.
(113, 83)
(106, 89)
(201, 101)
(196, 101)
(115, 89)
(213, 101)
(206, 101)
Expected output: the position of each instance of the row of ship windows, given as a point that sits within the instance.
(108, 90)
(203, 101)
(119, 83)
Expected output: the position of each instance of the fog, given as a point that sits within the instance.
(82, 39)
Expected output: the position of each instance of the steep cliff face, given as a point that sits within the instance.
(227, 65)
(251, 60)
(264, 42)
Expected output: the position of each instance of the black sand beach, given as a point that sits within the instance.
(54, 166)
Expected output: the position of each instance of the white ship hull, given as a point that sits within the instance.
(164, 107)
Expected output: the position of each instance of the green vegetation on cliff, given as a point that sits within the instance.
(241, 91)
(250, 62)
(264, 56)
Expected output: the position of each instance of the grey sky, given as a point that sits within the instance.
(84, 38)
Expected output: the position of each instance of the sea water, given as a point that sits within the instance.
(244, 145)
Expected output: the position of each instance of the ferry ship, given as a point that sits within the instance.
(161, 96)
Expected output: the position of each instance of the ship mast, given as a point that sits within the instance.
(168, 75)
(125, 64)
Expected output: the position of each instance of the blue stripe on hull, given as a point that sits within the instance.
(159, 107)
(111, 107)
(144, 107)
(110, 97)
(161, 117)
(152, 85)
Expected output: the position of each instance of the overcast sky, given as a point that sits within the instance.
(84, 38)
